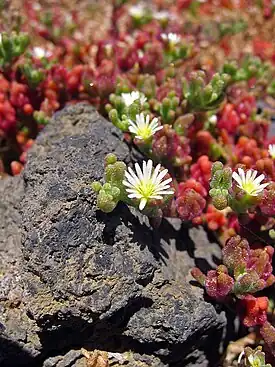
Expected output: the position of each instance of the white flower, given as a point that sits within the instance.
(143, 128)
(40, 52)
(130, 98)
(140, 54)
(161, 15)
(248, 182)
(271, 150)
(213, 119)
(137, 11)
(142, 99)
(172, 38)
(36, 6)
(147, 183)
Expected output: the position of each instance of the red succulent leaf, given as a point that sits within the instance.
(253, 310)
(218, 283)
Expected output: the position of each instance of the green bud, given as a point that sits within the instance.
(113, 115)
(122, 123)
(224, 192)
(41, 117)
(202, 97)
(107, 187)
(110, 158)
(170, 116)
(23, 40)
(171, 94)
(96, 186)
(108, 107)
(208, 91)
(226, 78)
(112, 98)
(214, 192)
(109, 172)
(166, 103)
(216, 180)
(175, 102)
(230, 68)
(221, 178)
(119, 171)
(115, 192)
(105, 202)
(34, 77)
(133, 110)
(272, 234)
(216, 166)
(200, 73)
(220, 202)
(227, 173)
(198, 83)
(112, 191)
(5, 41)
(11, 46)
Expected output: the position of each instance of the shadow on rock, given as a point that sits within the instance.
(17, 356)
(75, 332)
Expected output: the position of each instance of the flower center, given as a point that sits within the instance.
(146, 188)
(249, 187)
(145, 132)
(255, 361)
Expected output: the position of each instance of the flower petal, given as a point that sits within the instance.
(237, 178)
(254, 174)
(127, 184)
(130, 190)
(139, 172)
(131, 177)
(242, 175)
(161, 175)
(133, 129)
(148, 170)
(142, 203)
(263, 186)
(155, 173)
(158, 197)
(134, 196)
(248, 175)
(259, 179)
(168, 180)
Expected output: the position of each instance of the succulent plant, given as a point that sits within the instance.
(202, 96)
(11, 47)
(34, 76)
(244, 272)
(253, 358)
(181, 88)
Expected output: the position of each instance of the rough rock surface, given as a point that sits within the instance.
(18, 338)
(101, 281)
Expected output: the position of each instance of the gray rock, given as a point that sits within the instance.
(103, 281)
(69, 359)
(19, 342)
(76, 358)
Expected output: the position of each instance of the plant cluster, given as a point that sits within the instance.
(253, 358)
(188, 90)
